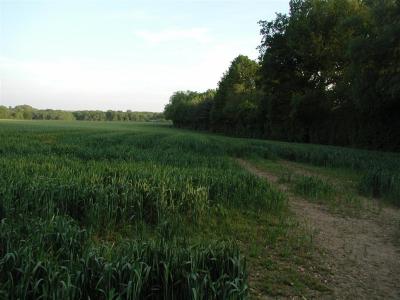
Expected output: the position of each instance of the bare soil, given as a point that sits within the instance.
(363, 254)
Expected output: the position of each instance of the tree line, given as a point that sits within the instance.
(26, 112)
(328, 73)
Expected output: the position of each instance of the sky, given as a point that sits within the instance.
(121, 54)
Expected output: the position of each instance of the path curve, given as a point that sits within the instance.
(361, 253)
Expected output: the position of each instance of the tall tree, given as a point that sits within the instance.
(236, 103)
(374, 75)
(303, 61)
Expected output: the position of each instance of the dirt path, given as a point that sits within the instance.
(361, 253)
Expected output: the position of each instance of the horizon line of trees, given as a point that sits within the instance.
(26, 112)
(328, 73)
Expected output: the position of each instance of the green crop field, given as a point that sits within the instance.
(141, 210)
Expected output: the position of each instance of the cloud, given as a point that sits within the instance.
(200, 35)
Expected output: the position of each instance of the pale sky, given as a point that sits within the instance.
(121, 54)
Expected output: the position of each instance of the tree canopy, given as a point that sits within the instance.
(26, 112)
(328, 72)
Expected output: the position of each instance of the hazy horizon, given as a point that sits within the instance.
(121, 55)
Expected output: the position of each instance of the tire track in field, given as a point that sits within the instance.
(361, 253)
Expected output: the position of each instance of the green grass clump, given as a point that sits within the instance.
(313, 188)
(381, 170)
(379, 182)
(52, 262)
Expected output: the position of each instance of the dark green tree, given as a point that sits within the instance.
(236, 103)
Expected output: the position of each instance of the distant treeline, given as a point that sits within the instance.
(26, 112)
(328, 73)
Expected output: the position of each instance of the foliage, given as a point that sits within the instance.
(232, 108)
(236, 103)
(327, 74)
(190, 109)
(323, 70)
(26, 112)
